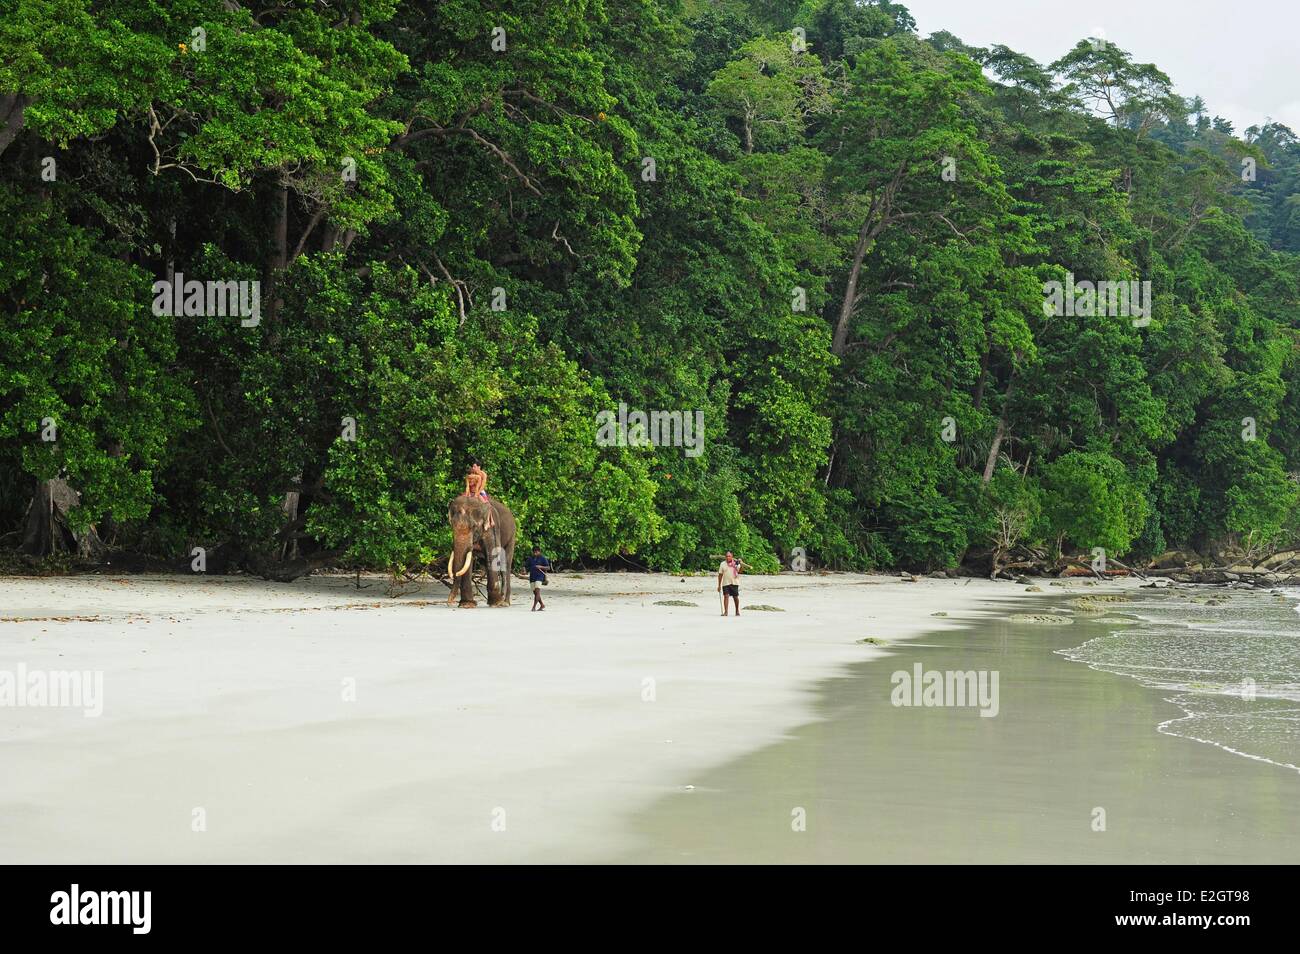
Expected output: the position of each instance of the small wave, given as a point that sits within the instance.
(1236, 677)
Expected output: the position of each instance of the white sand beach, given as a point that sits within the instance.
(315, 722)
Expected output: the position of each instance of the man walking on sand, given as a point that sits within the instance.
(537, 567)
(729, 581)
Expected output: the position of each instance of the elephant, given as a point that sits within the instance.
(485, 527)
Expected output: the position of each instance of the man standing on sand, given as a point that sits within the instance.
(537, 567)
(729, 581)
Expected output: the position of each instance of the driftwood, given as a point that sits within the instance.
(1039, 565)
(286, 571)
(1225, 576)
(1133, 570)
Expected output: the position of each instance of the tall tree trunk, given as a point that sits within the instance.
(171, 249)
(280, 252)
(277, 257)
(978, 399)
(1001, 432)
(306, 234)
(289, 505)
(47, 528)
(13, 114)
(866, 238)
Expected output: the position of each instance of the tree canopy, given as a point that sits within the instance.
(475, 227)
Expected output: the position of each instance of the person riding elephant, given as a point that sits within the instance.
(476, 482)
(485, 527)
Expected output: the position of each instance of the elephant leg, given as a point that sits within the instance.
(467, 600)
(498, 570)
(493, 579)
(510, 565)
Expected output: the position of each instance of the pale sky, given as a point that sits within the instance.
(1242, 58)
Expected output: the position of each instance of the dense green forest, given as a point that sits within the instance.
(477, 226)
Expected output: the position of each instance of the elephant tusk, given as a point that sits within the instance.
(450, 558)
(469, 555)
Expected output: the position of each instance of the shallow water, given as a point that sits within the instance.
(1233, 668)
(1080, 764)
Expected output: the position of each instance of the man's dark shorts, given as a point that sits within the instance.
(732, 589)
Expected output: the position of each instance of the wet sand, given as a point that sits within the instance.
(880, 783)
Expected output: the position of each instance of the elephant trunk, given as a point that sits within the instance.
(462, 552)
